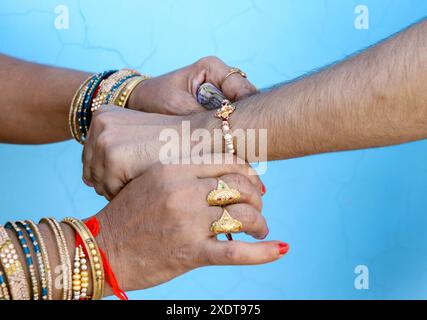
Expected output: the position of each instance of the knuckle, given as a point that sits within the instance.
(250, 216)
(240, 181)
(113, 157)
(209, 60)
(164, 171)
(274, 253)
(232, 253)
(184, 255)
(104, 140)
(93, 172)
(99, 190)
(210, 258)
(101, 120)
(173, 200)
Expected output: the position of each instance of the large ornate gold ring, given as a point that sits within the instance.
(231, 72)
(226, 224)
(223, 195)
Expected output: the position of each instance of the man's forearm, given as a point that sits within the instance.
(376, 98)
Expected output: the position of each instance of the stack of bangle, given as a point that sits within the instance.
(108, 87)
(91, 248)
(64, 256)
(75, 281)
(224, 114)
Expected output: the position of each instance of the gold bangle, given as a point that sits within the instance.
(45, 258)
(72, 116)
(224, 114)
(123, 94)
(64, 256)
(13, 269)
(107, 85)
(94, 256)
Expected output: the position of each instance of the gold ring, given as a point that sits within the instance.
(226, 224)
(223, 195)
(231, 72)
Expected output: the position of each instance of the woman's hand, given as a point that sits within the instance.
(121, 145)
(175, 93)
(158, 227)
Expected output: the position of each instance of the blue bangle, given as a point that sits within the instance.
(85, 115)
(40, 262)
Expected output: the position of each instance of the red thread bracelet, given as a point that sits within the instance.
(110, 278)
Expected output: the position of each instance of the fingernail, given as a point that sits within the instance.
(263, 189)
(283, 248)
(266, 234)
(87, 182)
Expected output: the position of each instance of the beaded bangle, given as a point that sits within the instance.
(224, 113)
(80, 275)
(84, 114)
(40, 263)
(63, 255)
(44, 265)
(106, 86)
(121, 97)
(4, 291)
(77, 284)
(109, 99)
(28, 258)
(84, 274)
(13, 268)
(93, 253)
(80, 115)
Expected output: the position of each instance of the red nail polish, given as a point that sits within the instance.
(263, 190)
(283, 248)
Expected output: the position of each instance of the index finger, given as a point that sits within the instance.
(234, 87)
(224, 167)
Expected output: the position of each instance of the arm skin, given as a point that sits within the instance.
(36, 98)
(377, 98)
(147, 239)
(35, 101)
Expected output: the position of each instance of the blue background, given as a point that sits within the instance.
(337, 211)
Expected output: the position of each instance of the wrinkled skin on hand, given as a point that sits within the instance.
(158, 226)
(175, 93)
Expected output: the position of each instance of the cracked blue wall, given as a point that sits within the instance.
(336, 211)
